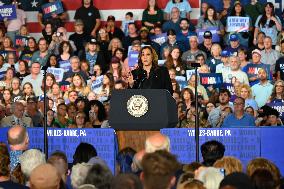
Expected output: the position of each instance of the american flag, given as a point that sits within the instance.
(118, 8)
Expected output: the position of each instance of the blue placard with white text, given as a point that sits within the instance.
(8, 11)
(52, 8)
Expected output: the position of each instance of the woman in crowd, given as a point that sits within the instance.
(49, 81)
(268, 23)
(72, 111)
(189, 122)
(249, 110)
(152, 15)
(209, 107)
(238, 10)
(78, 84)
(52, 61)
(16, 89)
(65, 52)
(243, 55)
(104, 92)
(7, 98)
(201, 91)
(210, 20)
(97, 114)
(81, 121)
(278, 92)
(23, 69)
(29, 50)
(50, 118)
(216, 57)
(187, 97)
(85, 67)
(149, 75)
(116, 68)
(8, 44)
(114, 44)
(183, 6)
(8, 78)
(246, 93)
(103, 40)
(174, 61)
(119, 53)
(28, 91)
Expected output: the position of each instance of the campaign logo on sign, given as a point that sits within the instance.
(279, 106)
(21, 41)
(65, 64)
(57, 72)
(8, 11)
(237, 24)
(132, 58)
(160, 39)
(52, 8)
(215, 79)
(213, 30)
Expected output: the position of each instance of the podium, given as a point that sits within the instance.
(142, 109)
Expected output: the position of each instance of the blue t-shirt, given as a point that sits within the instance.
(232, 121)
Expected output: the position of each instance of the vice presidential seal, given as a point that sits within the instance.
(137, 105)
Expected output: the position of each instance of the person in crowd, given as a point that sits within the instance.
(103, 92)
(183, 6)
(28, 51)
(174, 61)
(79, 173)
(97, 115)
(65, 52)
(239, 117)
(149, 74)
(79, 38)
(16, 89)
(245, 92)
(103, 42)
(243, 55)
(114, 44)
(277, 94)
(262, 90)
(126, 181)
(236, 180)
(215, 115)
(187, 97)
(48, 31)
(279, 68)
(185, 31)
(113, 30)
(42, 54)
(201, 91)
(83, 153)
(81, 121)
(224, 67)
(78, 84)
(61, 121)
(215, 58)
(145, 40)
(207, 43)
(132, 36)
(75, 69)
(253, 10)
(273, 118)
(259, 44)
(28, 91)
(29, 161)
(129, 18)
(190, 55)
(23, 70)
(225, 11)
(50, 118)
(59, 160)
(211, 152)
(171, 42)
(17, 117)
(156, 142)
(238, 10)
(52, 61)
(152, 15)
(234, 45)
(72, 96)
(35, 78)
(33, 112)
(268, 23)
(173, 22)
(116, 68)
(8, 45)
(210, 177)
(268, 55)
(211, 20)
(7, 80)
(230, 164)
(90, 16)
(163, 174)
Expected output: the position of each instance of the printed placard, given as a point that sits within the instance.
(213, 30)
(52, 8)
(214, 79)
(57, 72)
(8, 11)
(160, 39)
(237, 24)
(21, 41)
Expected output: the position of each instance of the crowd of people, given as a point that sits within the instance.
(153, 167)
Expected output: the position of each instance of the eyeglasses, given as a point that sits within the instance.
(238, 103)
(279, 86)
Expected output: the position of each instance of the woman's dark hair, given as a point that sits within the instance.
(111, 81)
(101, 109)
(262, 179)
(242, 13)
(48, 61)
(175, 2)
(83, 153)
(36, 46)
(154, 56)
(60, 49)
(92, 4)
(206, 13)
(124, 159)
(120, 50)
(170, 60)
(263, 19)
(155, 8)
(189, 91)
(26, 65)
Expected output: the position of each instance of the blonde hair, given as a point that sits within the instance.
(247, 87)
(230, 164)
(216, 46)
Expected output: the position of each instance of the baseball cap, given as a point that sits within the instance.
(207, 35)
(111, 17)
(256, 51)
(225, 53)
(144, 29)
(93, 40)
(234, 37)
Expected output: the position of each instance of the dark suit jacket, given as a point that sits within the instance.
(159, 78)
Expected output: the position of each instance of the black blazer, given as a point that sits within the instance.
(159, 78)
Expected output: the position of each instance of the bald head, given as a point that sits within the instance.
(156, 142)
(18, 138)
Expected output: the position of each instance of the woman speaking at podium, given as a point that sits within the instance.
(149, 75)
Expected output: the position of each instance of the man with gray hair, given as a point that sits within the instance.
(79, 174)
(18, 140)
(156, 142)
(235, 74)
(29, 160)
(17, 117)
(75, 69)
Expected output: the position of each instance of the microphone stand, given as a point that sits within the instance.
(45, 137)
(196, 125)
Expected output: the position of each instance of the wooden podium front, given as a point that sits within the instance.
(133, 139)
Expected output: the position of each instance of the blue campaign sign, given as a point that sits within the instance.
(8, 11)
(21, 41)
(4, 53)
(213, 30)
(215, 79)
(65, 64)
(243, 143)
(279, 106)
(132, 58)
(237, 24)
(160, 39)
(67, 140)
(52, 8)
